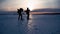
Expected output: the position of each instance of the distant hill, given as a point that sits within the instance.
(8, 13)
(46, 10)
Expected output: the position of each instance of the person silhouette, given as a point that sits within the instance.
(20, 13)
(27, 12)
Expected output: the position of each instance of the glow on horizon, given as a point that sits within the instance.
(12, 5)
(30, 4)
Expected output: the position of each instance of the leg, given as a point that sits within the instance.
(21, 17)
(28, 16)
(18, 17)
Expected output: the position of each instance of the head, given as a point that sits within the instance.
(27, 8)
(21, 9)
(17, 9)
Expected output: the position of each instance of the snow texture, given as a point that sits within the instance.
(38, 24)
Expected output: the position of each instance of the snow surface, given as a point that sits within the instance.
(38, 24)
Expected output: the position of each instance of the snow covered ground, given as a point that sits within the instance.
(38, 24)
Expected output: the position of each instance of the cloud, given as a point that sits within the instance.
(52, 4)
(58, 3)
(14, 4)
(1, 1)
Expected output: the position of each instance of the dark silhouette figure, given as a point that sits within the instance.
(27, 12)
(20, 13)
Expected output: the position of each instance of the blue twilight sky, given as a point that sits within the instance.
(12, 5)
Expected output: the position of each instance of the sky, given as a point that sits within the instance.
(12, 5)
